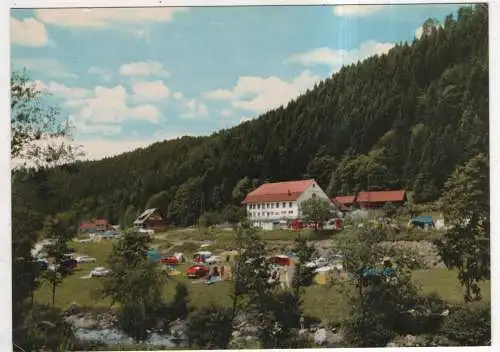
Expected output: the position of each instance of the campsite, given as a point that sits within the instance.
(320, 299)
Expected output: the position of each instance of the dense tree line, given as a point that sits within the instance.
(401, 120)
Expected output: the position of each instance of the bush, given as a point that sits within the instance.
(469, 325)
(209, 328)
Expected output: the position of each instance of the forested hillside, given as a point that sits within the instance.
(405, 119)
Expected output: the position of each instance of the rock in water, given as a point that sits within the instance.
(320, 336)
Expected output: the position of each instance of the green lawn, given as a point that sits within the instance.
(322, 302)
(445, 283)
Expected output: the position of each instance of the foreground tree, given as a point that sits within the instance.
(209, 328)
(457, 326)
(388, 303)
(36, 133)
(45, 329)
(135, 284)
(59, 229)
(303, 275)
(38, 136)
(251, 271)
(466, 208)
(316, 211)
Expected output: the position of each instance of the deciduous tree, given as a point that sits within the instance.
(466, 246)
(316, 211)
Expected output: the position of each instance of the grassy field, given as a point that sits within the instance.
(321, 302)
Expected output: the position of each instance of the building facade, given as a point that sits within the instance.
(275, 204)
(151, 219)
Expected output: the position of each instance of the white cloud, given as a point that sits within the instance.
(49, 67)
(178, 95)
(246, 118)
(109, 106)
(150, 91)
(98, 148)
(219, 94)
(194, 109)
(143, 68)
(147, 112)
(59, 90)
(100, 18)
(260, 94)
(356, 10)
(28, 32)
(226, 112)
(338, 58)
(102, 129)
(105, 74)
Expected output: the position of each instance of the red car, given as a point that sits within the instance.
(197, 271)
(169, 260)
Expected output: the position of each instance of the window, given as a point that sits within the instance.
(277, 205)
(272, 205)
(258, 206)
(267, 205)
(290, 204)
(284, 205)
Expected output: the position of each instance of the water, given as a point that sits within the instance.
(115, 336)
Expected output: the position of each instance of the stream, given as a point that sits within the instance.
(113, 336)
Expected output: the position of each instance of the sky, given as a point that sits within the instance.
(129, 77)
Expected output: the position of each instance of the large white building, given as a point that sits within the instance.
(273, 203)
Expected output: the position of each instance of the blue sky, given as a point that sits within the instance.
(128, 77)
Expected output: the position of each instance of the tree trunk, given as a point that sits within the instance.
(54, 283)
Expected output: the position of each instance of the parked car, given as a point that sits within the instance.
(100, 271)
(84, 259)
(317, 263)
(197, 271)
(69, 263)
(213, 259)
(170, 260)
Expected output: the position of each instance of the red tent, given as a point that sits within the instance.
(279, 260)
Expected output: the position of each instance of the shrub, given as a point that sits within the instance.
(469, 325)
(209, 328)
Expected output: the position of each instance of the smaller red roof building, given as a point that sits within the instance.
(346, 201)
(94, 225)
(278, 192)
(379, 198)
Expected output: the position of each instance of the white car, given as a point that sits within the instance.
(85, 259)
(317, 263)
(213, 259)
(100, 271)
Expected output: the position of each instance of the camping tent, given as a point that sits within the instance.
(153, 255)
(322, 275)
(422, 221)
(200, 257)
(280, 259)
(229, 256)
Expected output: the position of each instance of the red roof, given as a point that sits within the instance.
(87, 225)
(278, 192)
(381, 196)
(345, 199)
(94, 223)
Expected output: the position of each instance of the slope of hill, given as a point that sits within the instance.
(405, 119)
